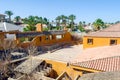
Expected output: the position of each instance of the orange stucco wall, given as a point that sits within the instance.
(98, 41)
(41, 40)
(66, 38)
(61, 67)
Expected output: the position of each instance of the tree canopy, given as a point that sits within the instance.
(72, 18)
(17, 19)
(9, 13)
(98, 24)
(32, 21)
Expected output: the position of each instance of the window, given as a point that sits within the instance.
(49, 65)
(90, 41)
(40, 38)
(113, 42)
(51, 37)
(58, 36)
(63, 35)
(47, 37)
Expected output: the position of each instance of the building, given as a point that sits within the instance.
(71, 62)
(40, 37)
(8, 27)
(36, 68)
(101, 59)
(47, 40)
(106, 37)
(2, 17)
(89, 27)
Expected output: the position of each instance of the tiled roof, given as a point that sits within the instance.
(105, 58)
(101, 76)
(32, 34)
(112, 31)
(113, 28)
(104, 64)
(28, 66)
(97, 53)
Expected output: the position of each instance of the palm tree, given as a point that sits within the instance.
(98, 24)
(17, 19)
(31, 21)
(58, 18)
(64, 20)
(46, 21)
(72, 18)
(84, 23)
(9, 13)
(80, 23)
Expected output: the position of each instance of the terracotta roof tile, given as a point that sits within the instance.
(97, 53)
(104, 64)
(113, 28)
(112, 31)
(105, 58)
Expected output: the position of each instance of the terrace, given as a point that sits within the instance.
(66, 54)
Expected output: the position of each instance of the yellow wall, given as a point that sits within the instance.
(2, 36)
(37, 42)
(98, 41)
(61, 67)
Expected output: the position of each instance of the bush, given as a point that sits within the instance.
(45, 29)
(81, 28)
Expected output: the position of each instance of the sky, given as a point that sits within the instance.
(84, 10)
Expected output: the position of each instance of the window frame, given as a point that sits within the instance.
(59, 36)
(47, 37)
(113, 43)
(51, 37)
(90, 41)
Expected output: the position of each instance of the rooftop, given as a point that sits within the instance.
(2, 15)
(112, 31)
(101, 76)
(103, 64)
(6, 27)
(97, 53)
(100, 58)
(28, 66)
(33, 34)
(66, 54)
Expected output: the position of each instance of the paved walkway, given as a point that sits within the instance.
(66, 54)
